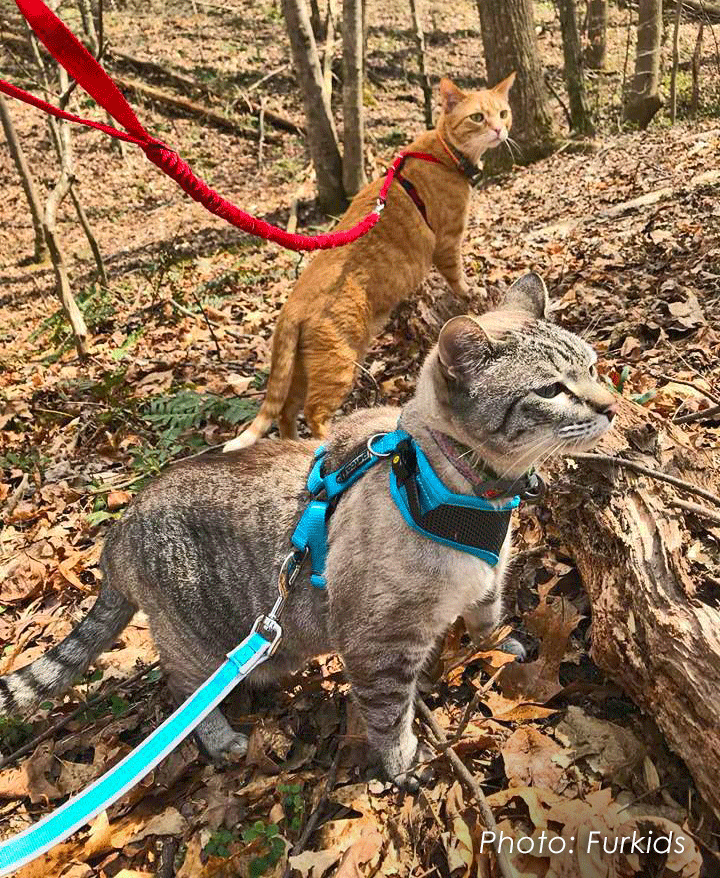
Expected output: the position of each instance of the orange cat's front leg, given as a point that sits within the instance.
(449, 263)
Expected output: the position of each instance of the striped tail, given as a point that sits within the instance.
(59, 668)
(284, 351)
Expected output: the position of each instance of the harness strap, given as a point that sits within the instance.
(81, 808)
(68, 51)
(412, 191)
(470, 524)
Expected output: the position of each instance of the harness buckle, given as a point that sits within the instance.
(379, 206)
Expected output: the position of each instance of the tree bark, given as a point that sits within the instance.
(596, 54)
(643, 100)
(696, 62)
(675, 62)
(353, 117)
(18, 156)
(580, 117)
(655, 623)
(322, 139)
(422, 64)
(509, 43)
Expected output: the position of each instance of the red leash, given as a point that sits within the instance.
(83, 67)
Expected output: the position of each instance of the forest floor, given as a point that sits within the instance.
(626, 232)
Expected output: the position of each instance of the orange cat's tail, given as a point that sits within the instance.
(284, 349)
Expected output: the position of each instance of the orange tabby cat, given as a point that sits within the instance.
(344, 296)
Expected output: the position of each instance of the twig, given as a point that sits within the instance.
(697, 509)
(208, 324)
(439, 742)
(472, 707)
(647, 471)
(713, 397)
(49, 732)
(554, 93)
(17, 494)
(188, 313)
(261, 132)
(267, 76)
(314, 817)
(168, 850)
(698, 416)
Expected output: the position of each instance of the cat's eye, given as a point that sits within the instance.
(503, 114)
(478, 117)
(550, 390)
(593, 371)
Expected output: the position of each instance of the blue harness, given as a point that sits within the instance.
(465, 522)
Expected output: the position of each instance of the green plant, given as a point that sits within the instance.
(294, 804)
(219, 842)
(271, 843)
(13, 732)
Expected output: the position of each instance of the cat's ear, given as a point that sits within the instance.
(463, 346)
(502, 88)
(529, 295)
(451, 95)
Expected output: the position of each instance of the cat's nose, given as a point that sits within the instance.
(498, 131)
(610, 410)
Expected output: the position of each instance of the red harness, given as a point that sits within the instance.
(83, 67)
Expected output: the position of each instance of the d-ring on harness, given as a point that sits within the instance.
(468, 523)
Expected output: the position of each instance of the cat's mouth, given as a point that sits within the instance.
(584, 435)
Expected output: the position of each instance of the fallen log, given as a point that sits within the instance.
(655, 616)
(192, 108)
(177, 80)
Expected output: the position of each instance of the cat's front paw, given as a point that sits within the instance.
(227, 750)
(419, 774)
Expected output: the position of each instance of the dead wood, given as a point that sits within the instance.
(185, 83)
(150, 92)
(655, 630)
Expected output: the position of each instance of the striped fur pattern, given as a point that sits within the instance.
(199, 550)
(345, 296)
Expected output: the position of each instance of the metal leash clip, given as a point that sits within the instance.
(267, 625)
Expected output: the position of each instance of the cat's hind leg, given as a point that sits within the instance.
(287, 419)
(330, 378)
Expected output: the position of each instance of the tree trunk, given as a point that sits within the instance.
(642, 100)
(322, 139)
(596, 54)
(696, 62)
(422, 65)
(580, 117)
(26, 179)
(509, 43)
(328, 53)
(675, 62)
(353, 124)
(655, 621)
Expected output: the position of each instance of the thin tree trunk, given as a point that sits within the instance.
(92, 240)
(353, 121)
(316, 21)
(422, 65)
(597, 34)
(26, 179)
(675, 62)
(574, 74)
(321, 135)
(696, 62)
(328, 54)
(509, 42)
(643, 101)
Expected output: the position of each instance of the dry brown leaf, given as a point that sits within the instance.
(314, 864)
(360, 852)
(608, 749)
(534, 760)
(117, 499)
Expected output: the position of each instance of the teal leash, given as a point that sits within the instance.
(256, 648)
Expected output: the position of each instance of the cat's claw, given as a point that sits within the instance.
(513, 646)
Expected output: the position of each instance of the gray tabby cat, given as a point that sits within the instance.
(200, 549)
